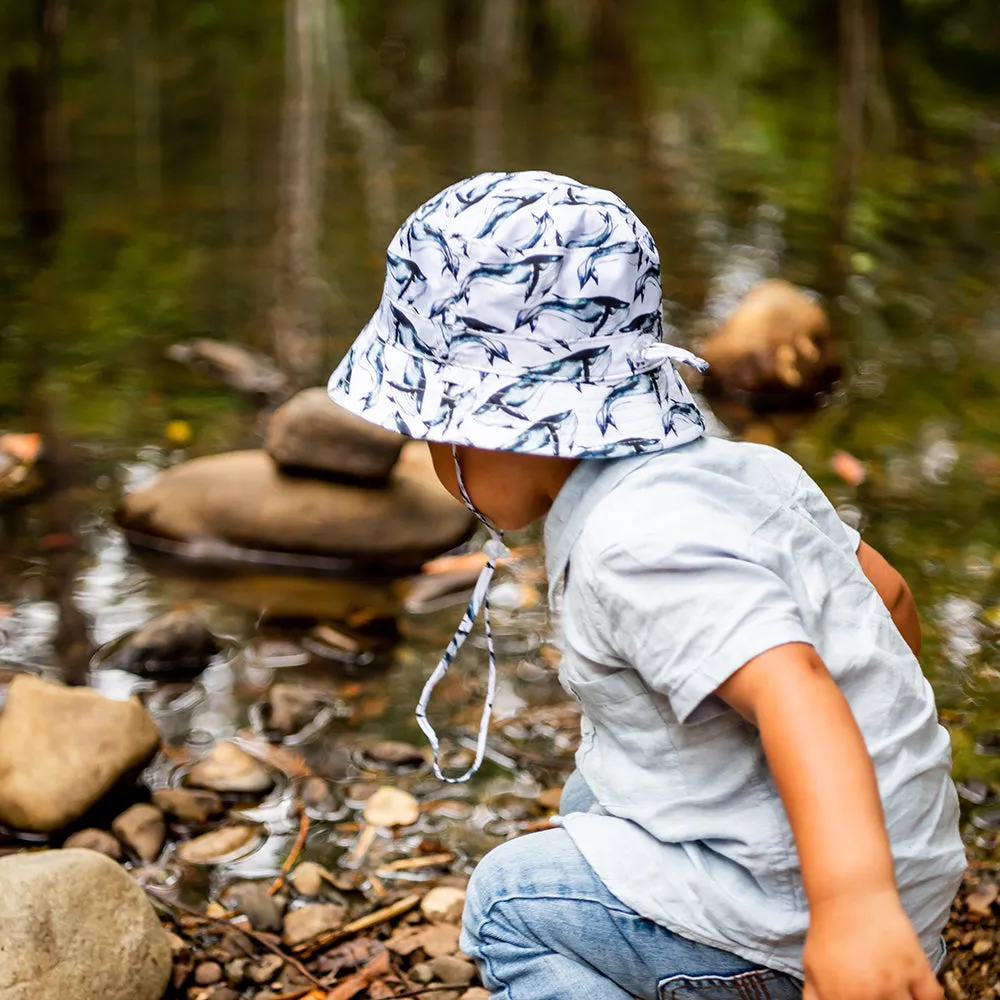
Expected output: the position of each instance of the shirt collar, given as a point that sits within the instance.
(588, 484)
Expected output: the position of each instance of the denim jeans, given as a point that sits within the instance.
(541, 926)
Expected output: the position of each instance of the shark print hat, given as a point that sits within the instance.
(520, 312)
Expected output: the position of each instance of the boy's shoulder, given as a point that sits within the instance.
(713, 491)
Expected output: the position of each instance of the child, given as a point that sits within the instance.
(762, 794)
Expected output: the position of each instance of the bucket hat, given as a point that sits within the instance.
(520, 312)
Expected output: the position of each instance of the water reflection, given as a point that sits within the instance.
(243, 181)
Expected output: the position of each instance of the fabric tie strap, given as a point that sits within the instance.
(661, 352)
(494, 550)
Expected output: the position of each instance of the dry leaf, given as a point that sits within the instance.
(354, 984)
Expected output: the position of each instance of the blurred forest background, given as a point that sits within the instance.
(234, 170)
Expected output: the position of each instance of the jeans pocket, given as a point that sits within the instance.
(758, 984)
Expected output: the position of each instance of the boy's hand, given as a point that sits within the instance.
(863, 947)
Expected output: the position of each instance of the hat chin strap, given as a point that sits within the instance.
(494, 550)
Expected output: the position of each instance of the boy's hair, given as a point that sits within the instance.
(522, 312)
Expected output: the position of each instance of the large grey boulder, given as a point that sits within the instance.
(241, 498)
(310, 433)
(62, 749)
(75, 926)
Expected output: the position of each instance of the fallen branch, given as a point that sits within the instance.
(293, 854)
(396, 909)
(252, 935)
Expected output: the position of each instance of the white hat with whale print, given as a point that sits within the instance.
(522, 312)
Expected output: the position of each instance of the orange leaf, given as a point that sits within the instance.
(26, 447)
(355, 983)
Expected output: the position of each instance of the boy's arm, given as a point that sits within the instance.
(894, 592)
(860, 944)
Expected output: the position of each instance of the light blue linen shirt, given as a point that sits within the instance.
(679, 568)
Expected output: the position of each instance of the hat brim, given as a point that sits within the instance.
(432, 400)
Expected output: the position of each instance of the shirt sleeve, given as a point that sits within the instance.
(687, 614)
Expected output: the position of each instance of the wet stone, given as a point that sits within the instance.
(393, 753)
(217, 844)
(987, 818)
(476, 993)
(177, 643)
(318, 796)
(392, 807)
(307, 922)
(188, 805)
(142, 830)
(95, 840)
(265, 912)
(292, 707)
(236, 970)
(227, 768)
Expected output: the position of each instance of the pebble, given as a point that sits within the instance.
(982, 947)
(293, 707)
(308, 922)
(392, 807)
(307, 878)
(208, 973)
(92, 839)
(227, 768)
(225, 993)
(216, 844)
(251, 898)
(439, 939)
(265, 969)
(189, 805)
(236, 970)
(394, 753)
(142, 829)
(422, 973)
(476, 993)
(453, 971)
(443, 905)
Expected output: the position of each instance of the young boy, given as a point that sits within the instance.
(762, 794)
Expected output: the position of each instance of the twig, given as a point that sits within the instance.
(412, 864)
(423, 990)
(293, 854)
(396, 909)
(252, 935)
(357, 981)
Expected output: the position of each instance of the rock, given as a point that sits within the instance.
(393, 753)
(208, 973)
(262, 910)
(439, 939)
(217, 844)
(74, 925)
(476, 993)
(422, 973)
(310, 921)
(312, 433)
(293, 707)
(189, 805)
(981, 900)
(142, 829)
(177, 643)
(391, 807)
(453, 971)
(236, 970)
(227, 768)
(223, 993)
(397, 526)
(62, 749)
(233, 365)
(777, 341)
(308, 877)
(94, 840)
(443, 904)
(264, 969)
